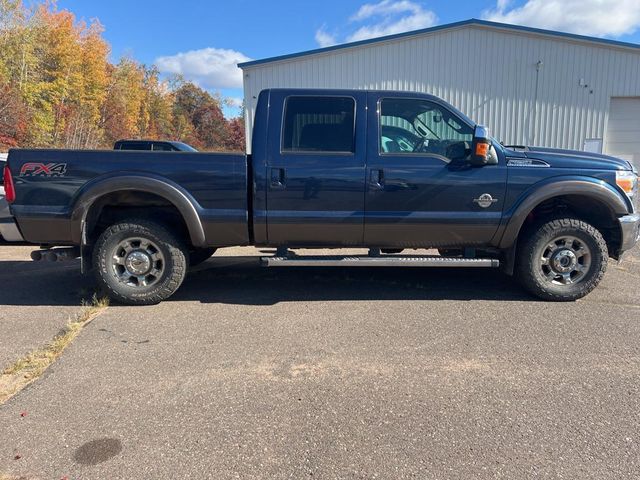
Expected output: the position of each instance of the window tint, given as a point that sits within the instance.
(163, 147)
(135, 146)
(319, 124)
(420, 126)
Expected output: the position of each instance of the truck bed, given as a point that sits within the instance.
(54, 185)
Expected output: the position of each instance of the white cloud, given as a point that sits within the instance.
(208, 67)
(324, 38)
(612, 18)
(384, 8)
(386, 17)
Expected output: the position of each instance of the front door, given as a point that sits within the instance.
(420, 191)
(316, 170)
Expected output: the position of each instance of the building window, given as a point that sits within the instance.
(319, 124)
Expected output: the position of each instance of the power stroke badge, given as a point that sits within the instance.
(485, 200)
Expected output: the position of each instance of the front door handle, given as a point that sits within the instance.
(376, 179)
(277, 178)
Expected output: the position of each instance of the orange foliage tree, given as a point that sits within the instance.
(58, 89)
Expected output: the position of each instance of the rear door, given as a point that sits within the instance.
(316, 169)
(420, 191)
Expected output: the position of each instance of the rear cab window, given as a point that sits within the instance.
(319, 124)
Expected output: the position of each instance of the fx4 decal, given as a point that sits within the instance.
(43, 170)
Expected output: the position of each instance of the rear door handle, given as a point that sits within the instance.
(277, 178)
(376, 179)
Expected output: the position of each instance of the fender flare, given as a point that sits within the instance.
(556, 187)
(162, 187)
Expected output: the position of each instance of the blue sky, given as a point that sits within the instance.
(204, 40)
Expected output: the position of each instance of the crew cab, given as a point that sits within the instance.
(388, 171)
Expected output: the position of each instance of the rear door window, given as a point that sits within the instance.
(319, 124)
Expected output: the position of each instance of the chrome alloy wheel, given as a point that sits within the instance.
(565, 260)
(137, 262)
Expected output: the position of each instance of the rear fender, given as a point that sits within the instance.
(162, 187)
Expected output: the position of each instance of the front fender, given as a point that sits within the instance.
(556, 187)
(157, 185)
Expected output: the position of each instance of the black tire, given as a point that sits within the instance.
(200, 255)
(166, 256)
(562, 259)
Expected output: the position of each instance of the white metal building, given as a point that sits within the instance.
(529, 86)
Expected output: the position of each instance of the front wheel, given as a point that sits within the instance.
(562, 260)
(139, 262)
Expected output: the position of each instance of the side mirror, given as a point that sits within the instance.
(481, 147)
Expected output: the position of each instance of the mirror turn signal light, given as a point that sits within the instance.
(482, 149)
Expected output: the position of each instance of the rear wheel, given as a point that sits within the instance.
(563, 260)
(139, 262)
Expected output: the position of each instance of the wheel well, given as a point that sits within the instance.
(584, 208)
(116, 206)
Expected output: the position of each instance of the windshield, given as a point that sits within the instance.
(183, 147)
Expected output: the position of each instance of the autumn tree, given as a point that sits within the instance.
(203, 111)
(125, 96)
(58, 89)
(235, 141)
(83, 127)
(13, 117)
(156, 116)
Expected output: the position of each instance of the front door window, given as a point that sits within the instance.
(416, 126)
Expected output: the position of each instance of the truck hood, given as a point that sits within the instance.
(572, 158)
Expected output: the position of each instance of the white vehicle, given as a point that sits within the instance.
(8, 230)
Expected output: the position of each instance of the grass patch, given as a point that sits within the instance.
(27, 369)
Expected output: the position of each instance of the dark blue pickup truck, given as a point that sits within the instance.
(388, 171)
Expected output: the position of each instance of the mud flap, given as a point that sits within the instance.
(85, 251)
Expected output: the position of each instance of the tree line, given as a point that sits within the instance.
(58, 89)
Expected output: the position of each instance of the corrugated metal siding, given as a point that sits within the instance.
(490, 74)
(623, 129)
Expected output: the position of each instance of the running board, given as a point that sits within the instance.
(382, 261)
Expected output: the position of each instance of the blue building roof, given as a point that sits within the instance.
(471, 22)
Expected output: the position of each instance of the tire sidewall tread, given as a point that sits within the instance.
(176, 260)
(527, 266)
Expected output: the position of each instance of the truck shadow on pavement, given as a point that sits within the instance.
(241, 281)
(43, 284)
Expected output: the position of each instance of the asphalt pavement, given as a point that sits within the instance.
(36, 300)
(336, 373)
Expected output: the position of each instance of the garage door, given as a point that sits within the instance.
(623, 129)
